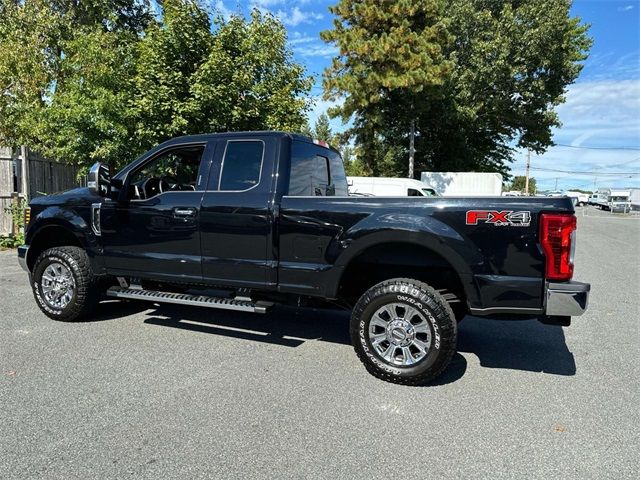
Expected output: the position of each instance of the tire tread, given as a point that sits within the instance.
(87, 291)
(448, 332)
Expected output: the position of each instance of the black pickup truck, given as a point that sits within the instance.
(243, 221)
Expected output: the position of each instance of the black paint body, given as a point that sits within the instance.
(265, 240)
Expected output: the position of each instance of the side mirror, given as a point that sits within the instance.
(99, 179)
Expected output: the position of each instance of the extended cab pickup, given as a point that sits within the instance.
(246, 220)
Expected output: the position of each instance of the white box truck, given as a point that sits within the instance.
(464, 184)
(614, 199)
(635, 199)
(619, 200)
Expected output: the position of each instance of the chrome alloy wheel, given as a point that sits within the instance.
(399, 334)
(58, 285)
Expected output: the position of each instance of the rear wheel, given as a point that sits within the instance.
(404, 331)
(63, 284)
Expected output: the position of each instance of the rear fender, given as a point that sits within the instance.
(425, 232)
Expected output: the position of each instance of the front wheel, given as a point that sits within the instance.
(63, 285)
(404, 331)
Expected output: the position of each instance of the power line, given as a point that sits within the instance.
(542, 169)
(595, 148)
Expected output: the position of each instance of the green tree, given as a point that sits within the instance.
(305, 129)
(391, 57)
(241, 77)
(518, 183)
(353, 166)
(322, 129)
(101, 80)
(508, 65)
(171, 54)
(37, 39)
(89, 118)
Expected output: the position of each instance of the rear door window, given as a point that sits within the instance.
(241, 165)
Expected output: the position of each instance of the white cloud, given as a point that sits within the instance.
(626, 8)
(319, 50)
(298, 39)
(604, 114)
(296, 16)
(266, 3)
(222, 9)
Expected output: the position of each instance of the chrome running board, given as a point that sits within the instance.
(242, 305)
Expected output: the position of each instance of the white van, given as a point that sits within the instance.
(578, 198)
(389, 187)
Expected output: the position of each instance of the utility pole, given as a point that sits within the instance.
(412, 150)
(526, 175)
(556, 189)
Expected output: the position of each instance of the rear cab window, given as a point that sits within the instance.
(315, 171)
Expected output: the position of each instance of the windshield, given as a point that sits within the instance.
(618, 199)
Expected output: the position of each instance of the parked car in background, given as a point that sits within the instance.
(555, 193)
(389, 187)
(464, 184)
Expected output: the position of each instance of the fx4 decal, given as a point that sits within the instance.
(499, 219)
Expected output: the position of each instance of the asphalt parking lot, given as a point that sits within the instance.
(148, 391)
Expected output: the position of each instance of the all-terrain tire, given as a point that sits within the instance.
(434, 317)
(85, 294)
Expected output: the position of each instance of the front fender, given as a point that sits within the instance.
(45, 225)
(72, 221)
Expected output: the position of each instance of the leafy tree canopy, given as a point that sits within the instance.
(105, 80)
(518, 183)
(479, 77)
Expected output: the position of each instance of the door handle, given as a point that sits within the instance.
(184, 212)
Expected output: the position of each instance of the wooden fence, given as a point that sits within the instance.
(45, 177)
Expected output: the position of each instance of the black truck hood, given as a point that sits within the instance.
(75, 196)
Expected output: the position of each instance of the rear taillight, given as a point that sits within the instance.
(558, 241)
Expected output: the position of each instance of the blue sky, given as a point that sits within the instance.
(601, 117)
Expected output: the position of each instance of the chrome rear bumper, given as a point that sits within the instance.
(567, 299)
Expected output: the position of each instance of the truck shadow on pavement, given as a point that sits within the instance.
(516, 345)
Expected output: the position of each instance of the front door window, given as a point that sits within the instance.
(175, 170)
